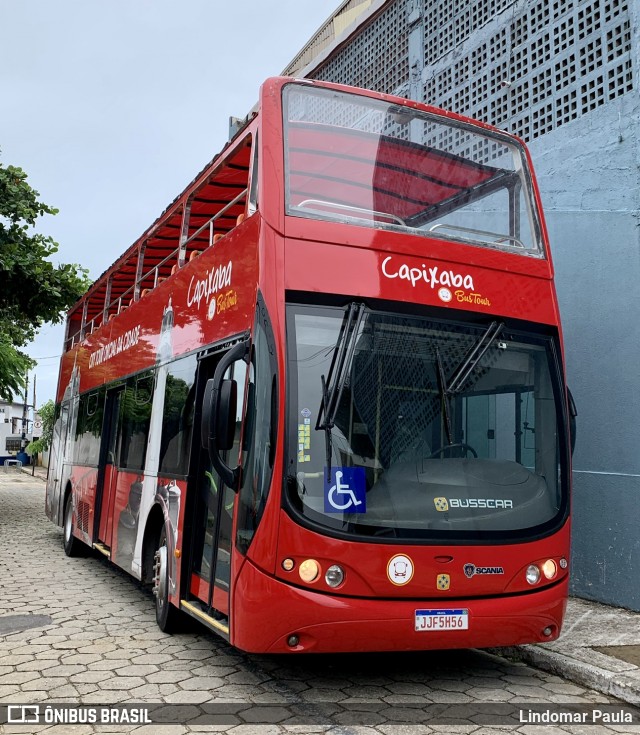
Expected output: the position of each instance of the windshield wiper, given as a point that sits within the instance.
(473, 357)
(335, 382)
(444, 397)
(463, 371)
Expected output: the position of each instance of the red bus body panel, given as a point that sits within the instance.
(315, 267)
(128, 343)
(271, 611)
(281, 257)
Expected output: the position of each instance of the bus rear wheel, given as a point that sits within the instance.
(168, 617)
(72, 546)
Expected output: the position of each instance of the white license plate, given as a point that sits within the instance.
(434, 621)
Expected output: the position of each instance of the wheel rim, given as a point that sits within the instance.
(160, 576)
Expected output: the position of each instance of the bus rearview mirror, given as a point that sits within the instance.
(219, 408)
(225, 417)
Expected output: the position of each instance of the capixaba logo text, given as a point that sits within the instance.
(202, 290)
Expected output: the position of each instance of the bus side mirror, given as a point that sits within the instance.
(219, 407)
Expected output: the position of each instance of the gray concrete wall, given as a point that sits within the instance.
(589, 179)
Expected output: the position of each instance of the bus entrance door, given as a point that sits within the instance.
(108, 473)
(210, 570)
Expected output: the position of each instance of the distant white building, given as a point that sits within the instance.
(11, 422)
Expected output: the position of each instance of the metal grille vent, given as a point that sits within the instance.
(83, 516)
(528, 66)
(545, 65)
(376, 58)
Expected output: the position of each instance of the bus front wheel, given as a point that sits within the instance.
(72, 546)
(168, 617)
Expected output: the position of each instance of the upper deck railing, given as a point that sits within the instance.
(212, 206)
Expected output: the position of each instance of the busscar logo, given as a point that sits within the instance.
(471, 569)
(444, 504)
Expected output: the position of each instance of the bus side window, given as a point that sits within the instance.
(237, 372)
(89, 428)
(177, 418)
(259, 447)
(136, 417)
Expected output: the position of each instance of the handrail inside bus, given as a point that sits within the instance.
(350, 208)
(90, 326)
(216, 216)
(156, 280)
(458, 228)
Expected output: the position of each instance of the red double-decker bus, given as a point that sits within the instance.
(320, 404)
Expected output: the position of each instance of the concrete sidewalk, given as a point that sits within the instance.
(39, 472)
(599, 647)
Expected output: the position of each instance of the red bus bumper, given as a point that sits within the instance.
(268, 612)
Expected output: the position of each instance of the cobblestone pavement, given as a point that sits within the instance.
(99, 644)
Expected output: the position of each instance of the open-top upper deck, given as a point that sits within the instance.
(207, 210)
(334, 162)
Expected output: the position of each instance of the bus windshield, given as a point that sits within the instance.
(441, 430)
(361, 161)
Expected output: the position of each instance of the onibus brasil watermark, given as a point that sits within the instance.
(217, 712)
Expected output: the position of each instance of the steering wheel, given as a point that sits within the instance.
(467, 448)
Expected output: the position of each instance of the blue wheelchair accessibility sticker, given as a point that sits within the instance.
(345, 490)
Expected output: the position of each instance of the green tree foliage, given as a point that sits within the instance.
(33, 290)
(48, 415)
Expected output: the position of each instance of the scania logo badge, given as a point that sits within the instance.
(471, 570)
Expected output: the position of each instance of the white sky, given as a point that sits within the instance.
(113, 107)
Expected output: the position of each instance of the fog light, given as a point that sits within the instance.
(563, 563)
(288, 564)
(309, 570)
(293, 641)
(334, 576)
(549, 569)
(547, 632)
(533, 574)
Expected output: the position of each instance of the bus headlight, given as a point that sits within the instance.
(549, 569)
(309, 570)
(533, 574)
(334, 576)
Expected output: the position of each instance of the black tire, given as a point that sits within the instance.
(72, 546)
(169, 618)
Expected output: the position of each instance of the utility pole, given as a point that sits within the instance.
(23, 442)
(33, 423)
